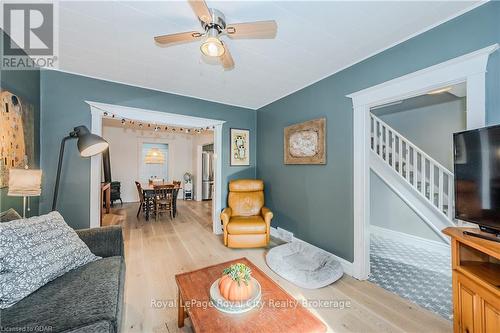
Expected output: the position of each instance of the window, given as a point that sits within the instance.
(154, 161)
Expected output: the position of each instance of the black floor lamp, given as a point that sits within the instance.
(88, 145)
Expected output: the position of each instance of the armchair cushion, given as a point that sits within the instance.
(246, 196)
(246, 225)
(246, 203)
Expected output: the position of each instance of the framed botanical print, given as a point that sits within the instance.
(305, 143)
(240, 147)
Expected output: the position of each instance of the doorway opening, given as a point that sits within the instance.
(160, 130)
(412, 145)
(469, 68)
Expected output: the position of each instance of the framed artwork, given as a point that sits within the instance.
(305, 143)
(240, 147)
(17, 138)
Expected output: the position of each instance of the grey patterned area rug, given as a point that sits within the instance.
(417, 274)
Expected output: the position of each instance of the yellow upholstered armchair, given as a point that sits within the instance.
(246, 221)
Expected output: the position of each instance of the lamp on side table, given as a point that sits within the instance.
(25, 183)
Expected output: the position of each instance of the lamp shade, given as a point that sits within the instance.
(24, 182)
(89, 144)
(154, 156)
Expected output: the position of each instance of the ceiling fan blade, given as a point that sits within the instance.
(181, 37)
(201, 10)
(260, 29)
(226, 59)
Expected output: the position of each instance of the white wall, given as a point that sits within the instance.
(389, 211)
(125, 145)
(431, 128)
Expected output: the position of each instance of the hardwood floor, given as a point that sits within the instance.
(156, 251)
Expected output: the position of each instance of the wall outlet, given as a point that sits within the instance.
(285, 235)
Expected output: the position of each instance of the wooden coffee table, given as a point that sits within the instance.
(280, 312)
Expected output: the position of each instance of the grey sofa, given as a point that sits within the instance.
(87, 299)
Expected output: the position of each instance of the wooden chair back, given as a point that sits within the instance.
(163, 197)
(139, 190)
(163, 191)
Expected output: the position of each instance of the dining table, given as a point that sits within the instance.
(148, 191)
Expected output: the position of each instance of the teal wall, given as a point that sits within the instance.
(26, 85)
(63, 106)
(315, 202)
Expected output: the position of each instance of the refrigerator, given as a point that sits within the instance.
(207, 182)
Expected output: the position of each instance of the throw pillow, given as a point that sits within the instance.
(34, 252)
(9, 215)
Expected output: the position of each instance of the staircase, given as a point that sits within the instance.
(420, 181)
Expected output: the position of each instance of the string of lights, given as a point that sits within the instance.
(157, 127)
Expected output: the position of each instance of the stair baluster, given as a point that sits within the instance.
(414, 165)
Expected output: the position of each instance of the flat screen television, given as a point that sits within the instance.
(477, 177)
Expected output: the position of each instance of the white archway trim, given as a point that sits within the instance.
(97, 112)
(469, 68)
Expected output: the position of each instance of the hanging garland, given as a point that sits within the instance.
(157, 128)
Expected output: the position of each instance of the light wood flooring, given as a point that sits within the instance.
(157, 250)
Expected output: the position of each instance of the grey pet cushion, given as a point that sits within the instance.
(35, 251)
(9, 215)
(304, 265)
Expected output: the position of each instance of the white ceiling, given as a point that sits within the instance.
(113, 40)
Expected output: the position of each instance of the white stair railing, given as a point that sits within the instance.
(427, 176)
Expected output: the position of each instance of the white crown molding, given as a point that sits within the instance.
(154, 117)
(467, 65)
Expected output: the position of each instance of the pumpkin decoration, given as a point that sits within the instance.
(234, 284)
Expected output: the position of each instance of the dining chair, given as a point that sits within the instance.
(163, 198)
(141, 197)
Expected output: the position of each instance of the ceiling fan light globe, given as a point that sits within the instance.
(212, 47)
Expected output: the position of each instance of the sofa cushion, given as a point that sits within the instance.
(99, 327)
(9, 215)
(82, 297)
(246, 225)
(35, 251)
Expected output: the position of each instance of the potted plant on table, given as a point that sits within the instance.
(235, 283)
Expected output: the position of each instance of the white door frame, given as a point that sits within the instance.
(155, 117)
(469, 68)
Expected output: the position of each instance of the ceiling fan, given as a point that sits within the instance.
(213, 22)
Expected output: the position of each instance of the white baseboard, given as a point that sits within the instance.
(283, 234)
(404, 238)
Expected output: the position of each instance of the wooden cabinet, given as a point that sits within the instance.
(476, 283)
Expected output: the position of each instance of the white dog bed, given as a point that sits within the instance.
(304, 265)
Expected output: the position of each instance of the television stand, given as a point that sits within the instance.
(484, 233)
(476, 281)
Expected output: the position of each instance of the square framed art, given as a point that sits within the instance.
(305, 143)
